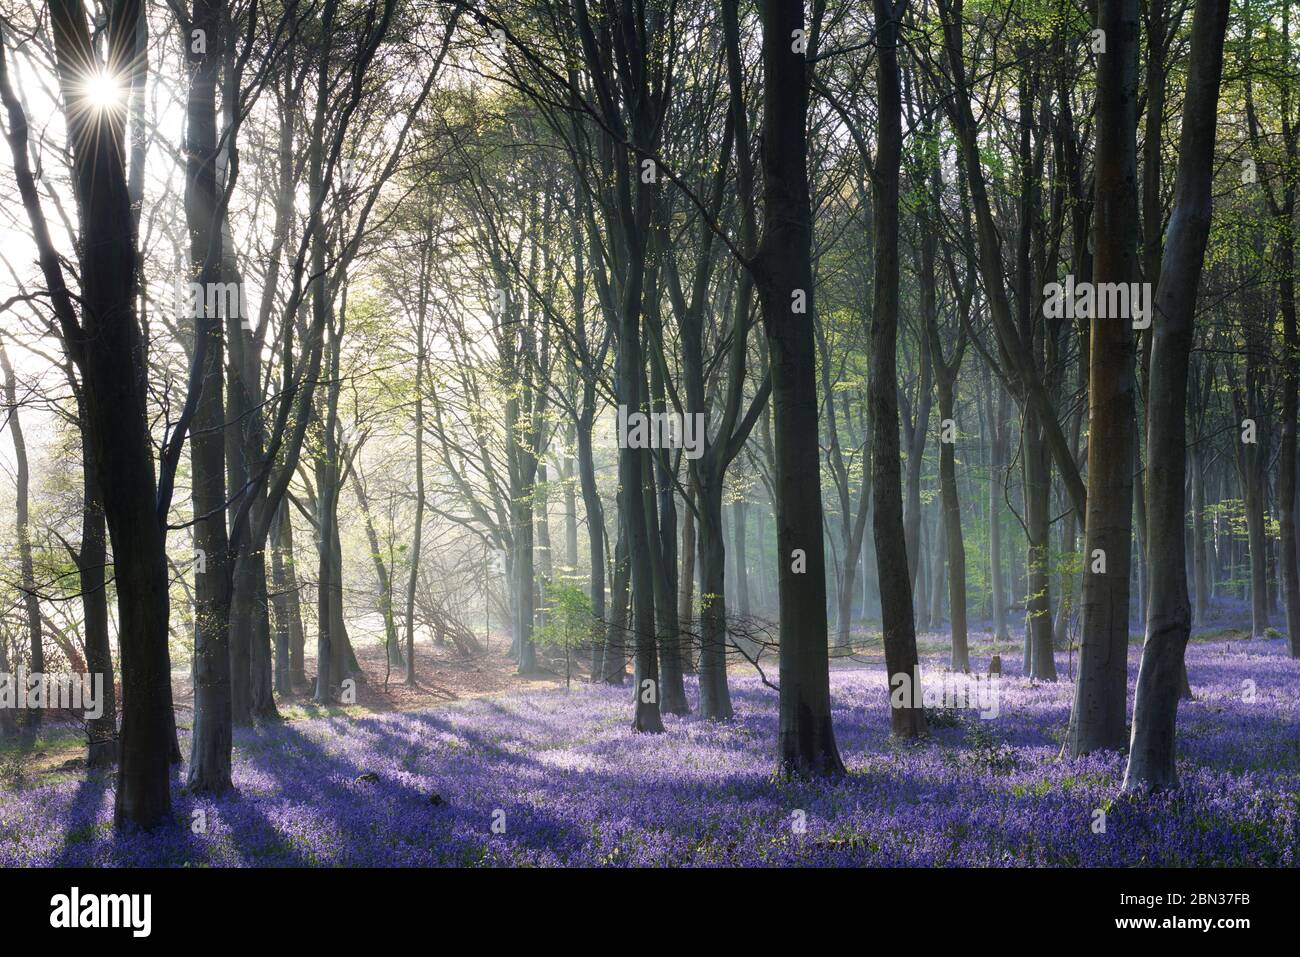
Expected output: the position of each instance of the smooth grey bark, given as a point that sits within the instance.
(249, 614)
(27, 579)
(852, 523)
(906, 718)
(383, 579)
(292, 600)
(611, 663)
(715, 696)
(633, 471)
(686, 577)
(326, 515)
(594, 513)
(738, 531)
(523, 569)
(1038, 602)
(661, 513)
(593, 508)
(1251, 458)
(1097, 720)
(946, 373)
(279, 600)
(1155, 702)
(916, 432)
(997, 466)
(215, 659)
(783, 273)
(938, 541)
(1200, 560)
(570, 502)
(1286, 477)
(959, 659)
(417, 428)
(658, 486)
(542, 534)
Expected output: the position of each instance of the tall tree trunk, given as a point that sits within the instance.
(784, 280)
(612, 663)
(92, 560)
(916, 436)
(417, 532)
(327, 475)
(659, 486)
(297, 634)
(960, 657)
(996, 492)
(280, 606)
(1286, 474)
(852, 550)
(715, 696)
(115, 390)
(938, 575)
(27, 582)
(921, 587)
(738, 531)
(594, 512)
(1155, 701)
(214, 656)
(570, 502)
(1038, 605)
(1199, 557)
(525, 582)
(1097, 720)
(632, 473)
(686, 578)
(1253, 491)
(906, 718)
(344, 664)
(392, 645)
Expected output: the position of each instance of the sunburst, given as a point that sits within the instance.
(102, 91)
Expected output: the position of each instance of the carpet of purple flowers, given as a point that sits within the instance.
(570, 784)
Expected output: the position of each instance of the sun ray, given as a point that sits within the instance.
(102, 91)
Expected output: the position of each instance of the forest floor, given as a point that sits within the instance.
(540, 775)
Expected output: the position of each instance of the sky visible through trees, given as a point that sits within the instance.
(649, 432)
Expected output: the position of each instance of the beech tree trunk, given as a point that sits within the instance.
(1155, 701)
(1200, 561)
(115, 391)
(27, 580)
(901, 663)
(784, 281)
(92, 560)
(738, 531)
(686, 578)
(611, 663)
(1038, 604)
(1097, 720)
(1286, 470)
(960, 657)
(417, 531)
(997, 465)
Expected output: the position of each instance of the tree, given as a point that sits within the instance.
(114, 377)
(31, 602)
(906, 719)
(1161, 673)
(1097, 719)
(210, 745)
